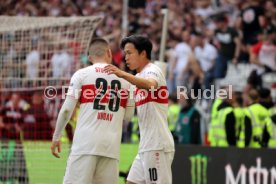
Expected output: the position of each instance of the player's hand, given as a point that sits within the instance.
(56, 145)
(111, 69)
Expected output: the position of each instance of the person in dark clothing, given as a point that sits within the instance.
(254, 81)
(265, 98)
(188, 123)
(251, 21)
(229, 123)
(228, 43)
(37, 122)
(12, 165)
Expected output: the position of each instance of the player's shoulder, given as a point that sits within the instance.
(80, 73)
(152, 68)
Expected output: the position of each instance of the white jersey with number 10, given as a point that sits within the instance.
(152, 107)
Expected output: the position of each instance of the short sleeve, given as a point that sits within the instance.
(74, 89)
(153, 73)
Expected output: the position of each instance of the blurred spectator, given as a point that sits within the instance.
(193, 74)
(133, 26)
(173, 112)
(187, 127)
(254, 81)
(13, 167)
(12, 117)
(37, 122)
(206, 54)
(263, 53)
(170, 57)
(117, 56)
(61, 63)
(251, 21)
(32, 63)
(228, 43)
(204, 8)
(182, 52)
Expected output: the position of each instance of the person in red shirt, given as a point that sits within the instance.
(263, 53)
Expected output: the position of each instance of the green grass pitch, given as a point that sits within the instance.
(43, 168)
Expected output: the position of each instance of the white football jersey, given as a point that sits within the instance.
(103, 99)
(152, 109)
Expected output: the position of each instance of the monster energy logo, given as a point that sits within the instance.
(199, 169)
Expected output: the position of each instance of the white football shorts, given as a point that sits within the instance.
(152, 167)
(91, 169)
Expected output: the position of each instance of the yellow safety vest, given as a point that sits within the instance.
(271, 128)
(218, 127)
(173, 113)
(214, 117)
(257, 114)
(272, 111)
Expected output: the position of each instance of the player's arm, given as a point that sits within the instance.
(66, 112)
(129, 113)
(139, 82)
(64, 116)
(130, 108)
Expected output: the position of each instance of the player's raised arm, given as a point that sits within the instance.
(139, 82)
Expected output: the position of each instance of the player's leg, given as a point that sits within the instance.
(157, 167)
(107, 171)
(166, 165)
(136, 173)
(80, 169)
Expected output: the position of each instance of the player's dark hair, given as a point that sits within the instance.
(253, 95)
(264, 93)
(141, 43)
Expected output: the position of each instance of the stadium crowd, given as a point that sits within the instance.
(204, 38)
